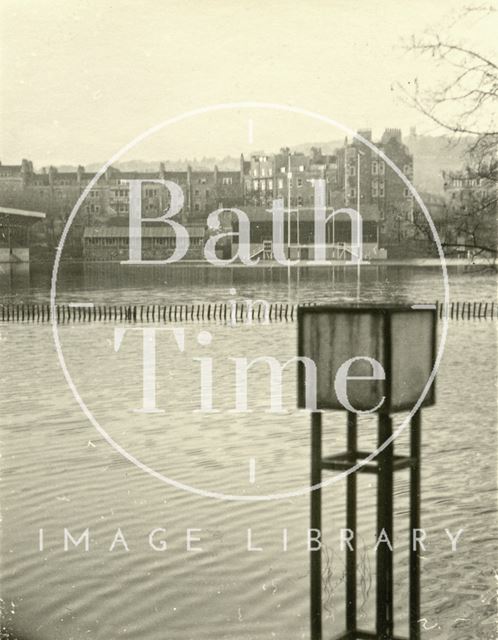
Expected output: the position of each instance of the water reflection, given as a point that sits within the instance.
(114, 283)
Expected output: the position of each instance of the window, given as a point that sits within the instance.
(280, 183)
(263, 185)
(197, 207)
(255, 184)
(407, 169)
(255, 173)
(299, 182)
(382, 167)
(375, 189)
(375, 167)
(282, 169)
(196, 192)
(352, 192)
(406, 192)
(270, 185)
(301, 167)
(300, 200)
(352, 170)
(263, 172)
(381, 190)
(226, 181)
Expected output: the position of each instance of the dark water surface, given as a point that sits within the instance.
(151, 284)
(58, 471)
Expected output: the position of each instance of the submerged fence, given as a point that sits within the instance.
(240, 312)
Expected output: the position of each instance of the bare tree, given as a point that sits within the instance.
(465, 104)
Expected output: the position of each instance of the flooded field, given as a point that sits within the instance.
(58, 472)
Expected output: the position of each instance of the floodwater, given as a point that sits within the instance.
(59, 472)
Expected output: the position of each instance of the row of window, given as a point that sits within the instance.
(263, 172)
(267, 185)
(378, 168)
(224, 180)
(378, 191)
(467, 182)
(463, 195)
(164, 242)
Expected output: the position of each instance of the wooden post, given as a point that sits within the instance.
(384, 618)
(415, 454)
(351, 507)
(316, 523)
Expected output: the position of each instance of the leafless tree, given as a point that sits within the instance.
(465, 104)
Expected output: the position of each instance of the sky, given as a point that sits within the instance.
(82, 79)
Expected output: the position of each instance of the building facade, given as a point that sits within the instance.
(367, 180)
(354, 176)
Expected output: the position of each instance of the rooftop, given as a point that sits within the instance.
(22, 213)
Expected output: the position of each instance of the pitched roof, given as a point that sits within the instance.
(21, 213)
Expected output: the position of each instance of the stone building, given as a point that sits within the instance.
(472, 207)
(289, 173)
(354, 177)
(57, 192)
(366, 179)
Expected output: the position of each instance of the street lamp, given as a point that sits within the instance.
(387, 353)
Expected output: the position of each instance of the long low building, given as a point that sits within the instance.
(15, 227)
(158, 242)
(302, 233)
(111, 243)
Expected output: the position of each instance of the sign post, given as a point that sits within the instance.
(385, 355)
